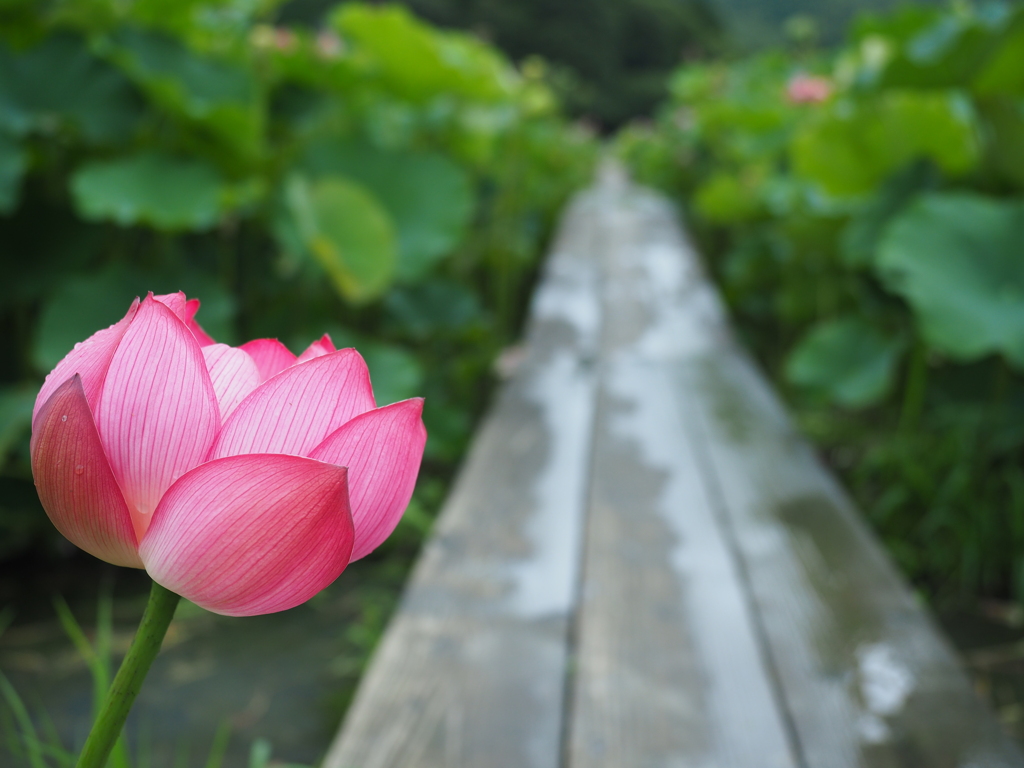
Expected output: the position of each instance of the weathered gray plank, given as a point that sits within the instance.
(863, 674)
(669, 669)
(471, 670)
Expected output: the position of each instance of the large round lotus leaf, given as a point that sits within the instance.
(149, 188)
(851, 149)
(958, 259)
(946, 53)
(430, 199)
(418, 62)
(848, 360)
(347, 231)
(859, 238)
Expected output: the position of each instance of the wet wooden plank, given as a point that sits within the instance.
(669, 668)
(864, 677)
(471, 671)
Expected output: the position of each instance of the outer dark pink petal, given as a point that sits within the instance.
(382, 450)
(175, 302)
(74, 481)
(294, 411)
(251, 534)
(233, 373)
(271, 356)
(204, 339)
(158, 414)
(89, 359)
(318, 348)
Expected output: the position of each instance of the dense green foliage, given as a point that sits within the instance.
(609, 60)
(754, 24)
(867, 228)
(376, 178)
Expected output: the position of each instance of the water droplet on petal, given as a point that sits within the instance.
(64, 418)
(80, 469)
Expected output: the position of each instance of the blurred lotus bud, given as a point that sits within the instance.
(328, 45)
(808, 89)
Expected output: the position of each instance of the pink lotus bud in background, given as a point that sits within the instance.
(808, 89)
(328, 45)
(244, 479)
(284, 39)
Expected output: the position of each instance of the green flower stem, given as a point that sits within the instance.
(128, 681)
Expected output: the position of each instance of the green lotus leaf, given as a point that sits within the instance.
(150, 188)
(947, 53)
(418, 62)
(429, 198)
(957, 259)
(847, 359)
(853, 147)
(859, 238)
(728, 198)
(343, 226)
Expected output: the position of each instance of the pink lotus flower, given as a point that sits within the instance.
(808, 89)
(244, 479)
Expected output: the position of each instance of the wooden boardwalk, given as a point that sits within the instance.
(641, 565)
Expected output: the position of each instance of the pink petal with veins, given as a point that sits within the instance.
(318, 348)
(234, 375)
(382, 450)
(175, 302)
(271, 356)
(74, 481)
(158, 413)
(294, 411)
(90, 360)
(252, 534)
(191, 307)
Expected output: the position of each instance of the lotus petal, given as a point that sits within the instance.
(74, 480)
(271, 356)
(382, 450)
(252, 534)
(175, 302)
(234, 375)
(318, 348)
(296, 410)
(158, 413)
(90, 360)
